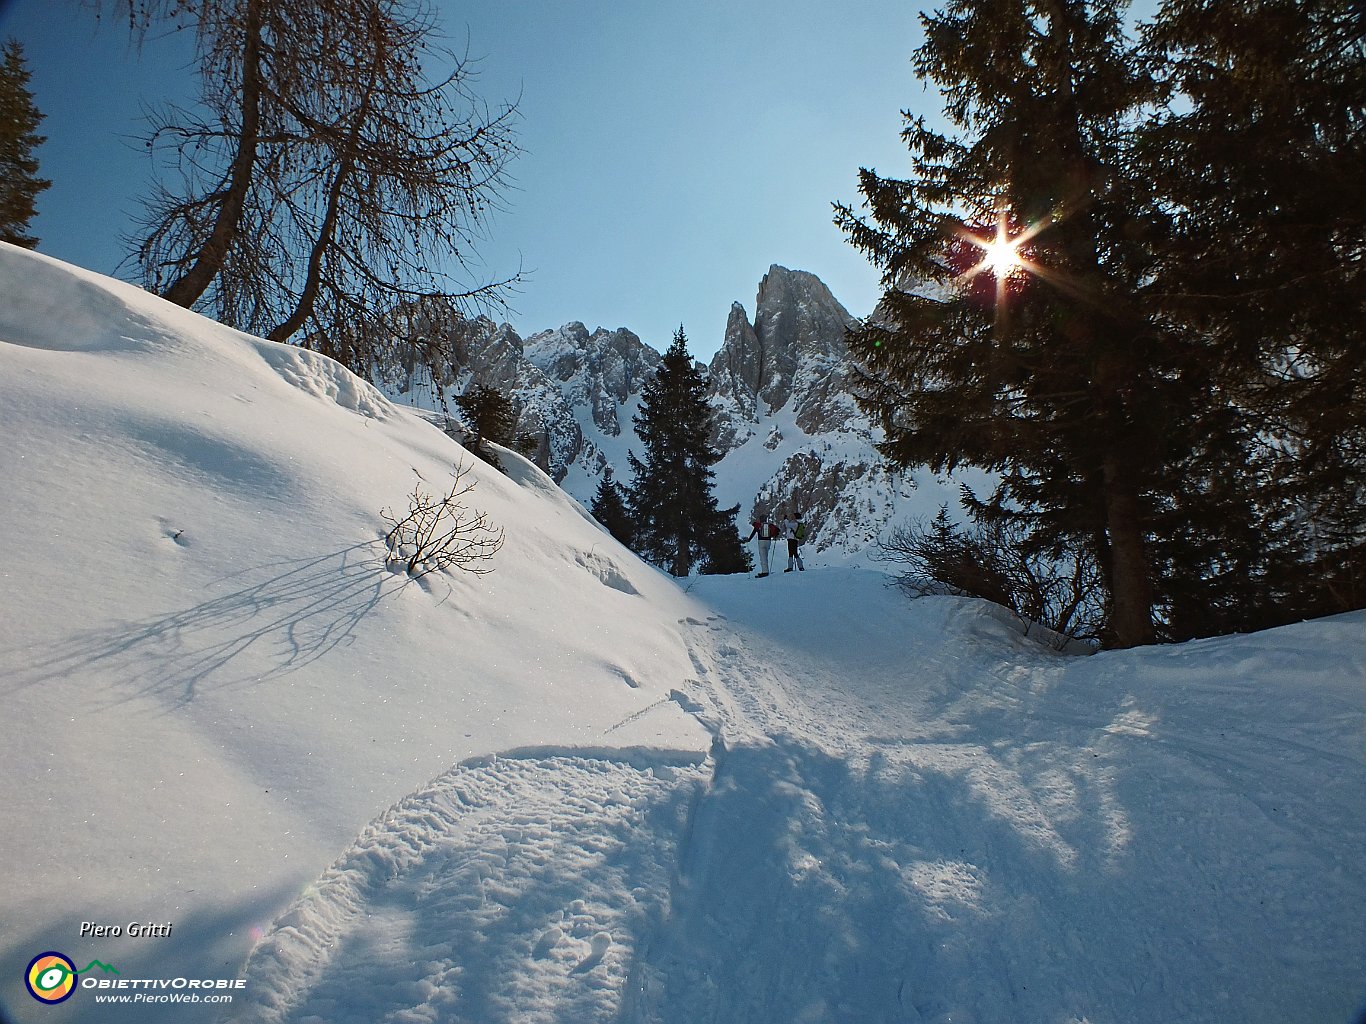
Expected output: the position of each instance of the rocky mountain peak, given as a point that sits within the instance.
(785, 356)
(797, 321)
(791, 433)
(599, 371)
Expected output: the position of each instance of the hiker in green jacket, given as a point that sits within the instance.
(794, 530)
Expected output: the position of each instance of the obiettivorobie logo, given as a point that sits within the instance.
(51, 977)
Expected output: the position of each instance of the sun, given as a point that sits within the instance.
(981, 253)
(1001, 255)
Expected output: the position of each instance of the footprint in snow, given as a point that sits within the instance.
(175, 534)
(602, 942)
(550, 938)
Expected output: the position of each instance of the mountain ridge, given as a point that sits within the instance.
(788, 426)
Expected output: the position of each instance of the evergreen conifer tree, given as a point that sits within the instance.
(1033, 353)
(676, 519)
(1259, 166)
(19, 120)
(609, 508)
(492, 417)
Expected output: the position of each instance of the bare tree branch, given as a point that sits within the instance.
(328, 175)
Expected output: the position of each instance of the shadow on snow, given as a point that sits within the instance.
(278, 618)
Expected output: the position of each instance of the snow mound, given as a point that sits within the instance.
(606, 569)
(201, 653)
(326, 379)
(65, 309)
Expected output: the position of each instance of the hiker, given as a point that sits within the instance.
(794, 530)
(765, 531)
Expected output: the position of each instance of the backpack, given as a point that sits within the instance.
(800, 532)
(770, 531)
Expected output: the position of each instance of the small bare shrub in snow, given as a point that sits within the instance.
(439, 533)
(1057, 588)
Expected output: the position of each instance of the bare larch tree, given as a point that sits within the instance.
(327, 176)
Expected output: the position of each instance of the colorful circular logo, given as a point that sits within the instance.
(51, 977)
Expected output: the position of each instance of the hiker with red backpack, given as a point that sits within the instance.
(766, 532)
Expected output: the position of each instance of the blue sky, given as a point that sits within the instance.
(673, 151)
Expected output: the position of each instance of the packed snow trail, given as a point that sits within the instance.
(508, 890)
(910, 814)
(920, 816)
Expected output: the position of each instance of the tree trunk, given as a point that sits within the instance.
(1108, 330)
(346, 166)
(682, 564)
(312, 282)
(187, 288)
(1131, 586)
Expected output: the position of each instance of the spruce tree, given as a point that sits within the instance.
(1259, 165)
(492, 417)
(1031, 352)
(19, 120)
(609, 509)
(676, 519)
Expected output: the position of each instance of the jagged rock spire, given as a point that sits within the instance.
(785, 356)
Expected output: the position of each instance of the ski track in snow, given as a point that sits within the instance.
(837, 857)
(859, 846)
(994, 845)
(507, 890)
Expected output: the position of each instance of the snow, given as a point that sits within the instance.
(571, 789)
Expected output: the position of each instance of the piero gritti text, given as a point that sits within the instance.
(133, 929)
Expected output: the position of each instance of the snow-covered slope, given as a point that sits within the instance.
(211, 682)
(570, 791)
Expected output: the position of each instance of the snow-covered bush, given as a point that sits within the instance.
(439, 533)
